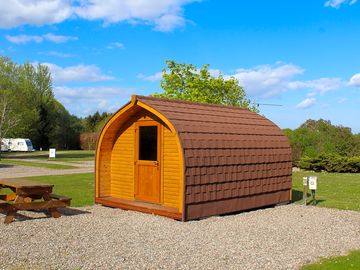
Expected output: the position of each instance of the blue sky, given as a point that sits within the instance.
(303, 55)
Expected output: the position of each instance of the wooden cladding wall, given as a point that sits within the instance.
(122, 165)
(104, 164)
(172, 171)
(122, 176)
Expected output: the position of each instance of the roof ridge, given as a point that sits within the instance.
(174, 100)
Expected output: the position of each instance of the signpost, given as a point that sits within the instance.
(305, 184)
(52, 153)
(313, 187)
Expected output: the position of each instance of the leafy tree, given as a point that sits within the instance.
(40, 116)
(45, 99)
(357, 143)
(94, 122)
(318, 137)
(7, 119)
(100, 125)
(66, 128)
(187, 82)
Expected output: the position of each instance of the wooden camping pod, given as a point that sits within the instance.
(189, 160)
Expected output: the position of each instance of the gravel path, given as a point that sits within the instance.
(16, 171)
(97, 237)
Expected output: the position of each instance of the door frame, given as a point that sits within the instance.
(138, 124)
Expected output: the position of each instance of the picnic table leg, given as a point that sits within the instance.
(53, 211)
(10, 216)
(12, 211)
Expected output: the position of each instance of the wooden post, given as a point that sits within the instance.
(313, 197)
(313, 187)
(305, 184)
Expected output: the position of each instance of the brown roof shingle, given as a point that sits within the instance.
(229, 152)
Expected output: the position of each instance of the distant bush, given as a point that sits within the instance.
(316, 137)
(88, 140)
(330, 163)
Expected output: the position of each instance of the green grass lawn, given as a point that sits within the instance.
(36, 164)
(335, 190)
(79, 187)
(66, 156)
(352, 261)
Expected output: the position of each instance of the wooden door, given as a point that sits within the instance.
(147, 162)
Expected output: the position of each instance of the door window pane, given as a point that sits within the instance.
(148, 143)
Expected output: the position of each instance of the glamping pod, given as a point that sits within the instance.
(189, 160)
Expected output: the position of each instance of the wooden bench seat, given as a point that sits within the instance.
(60, 198)
(3, 202)
(30, 195)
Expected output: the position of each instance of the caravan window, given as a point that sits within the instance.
(20, 143)
(28, 142)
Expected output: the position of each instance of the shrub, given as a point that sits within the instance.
(88, 140)
(330, 163)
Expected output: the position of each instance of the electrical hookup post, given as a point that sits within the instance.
(310, 183)
(52, 153)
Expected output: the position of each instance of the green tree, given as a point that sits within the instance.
(187, 82)
(319, 137)
(7, 118)
(105, 117)
(357, 143)
(94, 122)
(66, 129)
(40, 116)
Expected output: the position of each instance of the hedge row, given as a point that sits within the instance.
(331, 163)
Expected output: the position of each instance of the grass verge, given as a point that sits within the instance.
(67, 156)
(335, 190)
(79, 187)
(351, 261)
(36, 164)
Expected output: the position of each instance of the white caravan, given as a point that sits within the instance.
(18, 144)
(4, 147)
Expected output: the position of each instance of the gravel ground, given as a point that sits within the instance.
(15, 171)
(97, 237)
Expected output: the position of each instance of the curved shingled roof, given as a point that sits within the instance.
(227, 150)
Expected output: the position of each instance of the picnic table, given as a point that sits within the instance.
(29, 195)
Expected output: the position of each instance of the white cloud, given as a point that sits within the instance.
(58, 54)
(22, 39)
(85, 100)
(338, 3)
(115, 45)
(155, 77)
(168, 22)
(266, 80)
(87, 92)
(271, 80)
(58, 38)
(311, 94)
(321, 85)
(78, 73)
(306, 103)
(163, 15)
(355, 80)
(342, 100)
(34, 12)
